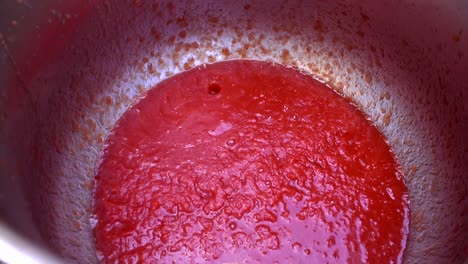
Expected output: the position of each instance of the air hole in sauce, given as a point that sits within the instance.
(214, 89)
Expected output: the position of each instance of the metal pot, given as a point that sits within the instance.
(69, 71)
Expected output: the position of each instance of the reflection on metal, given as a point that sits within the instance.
(16, 250)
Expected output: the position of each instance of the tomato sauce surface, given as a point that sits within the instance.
(248, 162)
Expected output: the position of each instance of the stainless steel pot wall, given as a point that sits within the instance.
(69, 72)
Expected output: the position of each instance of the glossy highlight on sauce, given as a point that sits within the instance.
(248, 162)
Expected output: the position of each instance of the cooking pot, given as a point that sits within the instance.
(70, 69)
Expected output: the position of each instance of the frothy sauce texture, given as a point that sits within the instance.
(248, 162)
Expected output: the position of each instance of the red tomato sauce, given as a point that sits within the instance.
(248, 162)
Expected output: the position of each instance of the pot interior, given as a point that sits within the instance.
(406, 69)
